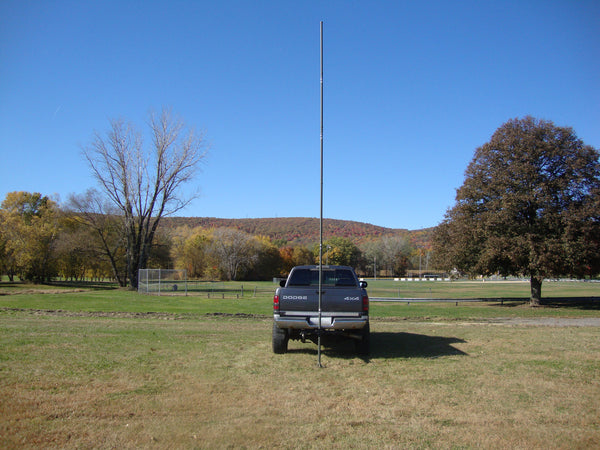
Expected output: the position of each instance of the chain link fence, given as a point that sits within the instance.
(162, 281)
(174, 282)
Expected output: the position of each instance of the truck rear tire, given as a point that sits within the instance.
(363, 346)
(280, 339)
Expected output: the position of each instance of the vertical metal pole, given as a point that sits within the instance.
(321, 214)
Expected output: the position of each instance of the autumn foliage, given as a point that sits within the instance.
(529, 206)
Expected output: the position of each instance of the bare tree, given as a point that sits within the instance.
(234, 249)
(144, 184)
(395, 250)
(388, 253)
(103, 220)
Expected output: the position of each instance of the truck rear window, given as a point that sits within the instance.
(310, 277)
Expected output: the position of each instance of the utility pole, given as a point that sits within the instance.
(320, 330)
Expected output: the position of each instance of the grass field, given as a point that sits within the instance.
(92, 369)
(515, 294)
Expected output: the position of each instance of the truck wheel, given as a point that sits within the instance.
(280, 339)
(363, 345)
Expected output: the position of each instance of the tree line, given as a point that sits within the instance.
(41, 240)
(303, 230)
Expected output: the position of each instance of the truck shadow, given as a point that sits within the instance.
(410, 345)
(385, 345)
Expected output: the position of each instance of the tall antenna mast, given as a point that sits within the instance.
(321, 215)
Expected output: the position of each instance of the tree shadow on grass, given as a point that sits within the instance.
(91, 285)
(388, 345)
(585, 303)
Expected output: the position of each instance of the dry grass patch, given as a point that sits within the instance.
(214, 383)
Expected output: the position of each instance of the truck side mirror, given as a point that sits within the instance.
(282, 282)
(363, 284)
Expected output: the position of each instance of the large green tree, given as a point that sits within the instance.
(529, 205)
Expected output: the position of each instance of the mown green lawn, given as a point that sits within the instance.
(564, 299)
(480, 289)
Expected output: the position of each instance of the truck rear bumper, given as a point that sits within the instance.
(328, 323)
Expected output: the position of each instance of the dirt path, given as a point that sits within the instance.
(549, 321)
(536, 321)
(128, 315)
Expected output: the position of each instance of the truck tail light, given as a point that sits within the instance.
(276, 303)
(365, 303)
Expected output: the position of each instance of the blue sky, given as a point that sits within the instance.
(411, 90)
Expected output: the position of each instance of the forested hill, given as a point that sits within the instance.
(303, 230)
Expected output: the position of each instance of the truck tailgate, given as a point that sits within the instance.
(333, 299)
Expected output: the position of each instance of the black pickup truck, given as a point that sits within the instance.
(344, 307)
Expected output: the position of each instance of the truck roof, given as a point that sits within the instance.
(316, 266)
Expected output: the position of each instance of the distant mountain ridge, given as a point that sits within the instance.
(304, 230)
